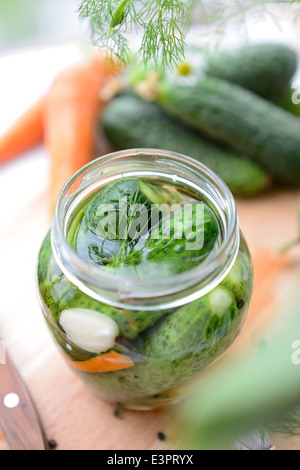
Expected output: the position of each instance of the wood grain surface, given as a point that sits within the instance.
(19, 419)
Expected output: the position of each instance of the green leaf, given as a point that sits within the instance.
(162, 24)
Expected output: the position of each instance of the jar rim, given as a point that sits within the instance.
(135, 293)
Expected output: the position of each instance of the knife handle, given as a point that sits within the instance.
(19, 419)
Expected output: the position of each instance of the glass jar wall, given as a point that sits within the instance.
(139, 316)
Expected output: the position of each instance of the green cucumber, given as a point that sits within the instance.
(175, 348)
(237, 281)
(192, 334)
(185, 241)
(265, 69)
(130, 122)
(239, 119)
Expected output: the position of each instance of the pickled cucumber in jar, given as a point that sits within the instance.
(143, 230)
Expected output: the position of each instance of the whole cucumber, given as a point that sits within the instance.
(197, 237)
(239, 119)
(130, 122)
(191, 330)
(265, 69)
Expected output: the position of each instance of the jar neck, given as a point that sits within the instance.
(136, 294)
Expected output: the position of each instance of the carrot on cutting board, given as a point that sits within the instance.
(71, 111)
(104, 363)
(25, 133)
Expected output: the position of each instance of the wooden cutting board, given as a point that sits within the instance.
(71, 413)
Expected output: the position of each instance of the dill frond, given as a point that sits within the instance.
(162, 25)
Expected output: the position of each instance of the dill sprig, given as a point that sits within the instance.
(216, 18)
(162, 24)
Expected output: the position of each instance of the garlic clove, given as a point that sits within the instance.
(220, 300)
(88, 329)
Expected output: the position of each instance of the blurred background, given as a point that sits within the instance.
(35, 39)
(36, 22)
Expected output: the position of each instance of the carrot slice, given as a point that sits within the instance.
(104, 363)
(24, 134)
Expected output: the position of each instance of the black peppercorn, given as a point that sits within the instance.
(52, 444)
(118, 412)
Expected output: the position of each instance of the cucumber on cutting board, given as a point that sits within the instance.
(239, 119)
(265, 69)
(130, 122)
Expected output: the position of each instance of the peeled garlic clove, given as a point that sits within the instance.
(88, 329)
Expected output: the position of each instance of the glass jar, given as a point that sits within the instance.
(169, 328)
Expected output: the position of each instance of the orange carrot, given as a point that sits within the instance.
(24, 134)
(104, 363)
(71, 112)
